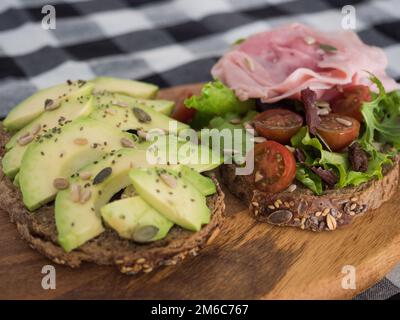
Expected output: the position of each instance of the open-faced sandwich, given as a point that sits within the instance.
(326, 121)
(79, 181)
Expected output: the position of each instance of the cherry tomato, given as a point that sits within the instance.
(275, 166)
(278, 124)
(349, 102)
(338, 131)
(181, 112)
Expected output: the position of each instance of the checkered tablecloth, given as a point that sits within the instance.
(164, 42)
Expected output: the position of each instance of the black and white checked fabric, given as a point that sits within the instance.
(164, 42)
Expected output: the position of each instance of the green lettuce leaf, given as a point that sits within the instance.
(382, 118)
(309, 178)
(216, 99)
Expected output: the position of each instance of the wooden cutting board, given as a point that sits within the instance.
(248, 260)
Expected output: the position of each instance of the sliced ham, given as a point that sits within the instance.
(279, 63)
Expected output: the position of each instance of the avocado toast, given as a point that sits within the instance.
(83, 189)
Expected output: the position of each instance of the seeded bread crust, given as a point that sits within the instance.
(303, 209)
(39, 230)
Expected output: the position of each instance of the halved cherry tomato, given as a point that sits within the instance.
(278, 124)
(338, 131)
(181, 112)
(348, 102)
(275, 166)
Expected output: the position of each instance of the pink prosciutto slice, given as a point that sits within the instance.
(279, 63)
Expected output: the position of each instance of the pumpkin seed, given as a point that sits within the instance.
(51, 104)
(280, 217)
(144, 233)
(141, 115)
(102, 175)
(60, 183)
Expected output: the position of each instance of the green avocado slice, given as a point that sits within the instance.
(70, 109)
(61, 154)
(134, 219)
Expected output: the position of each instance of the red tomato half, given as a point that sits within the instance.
(278, 124)
(181, 112)
(349, 102)
(275, 166)
(338, 131)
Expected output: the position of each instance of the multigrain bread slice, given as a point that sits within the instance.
(303, 209)
(39, 230)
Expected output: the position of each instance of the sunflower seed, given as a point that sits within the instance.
(344, 122)
(290, 148)
(120, 104)
(325, 211)
(331, 222)
(85, 175)
(168, 180)
(102, 175)
(36, 129)
(353, 206)
(249, 63)
(309, 40)
(291, 188)
(235, 121)
(141, 260)
(127, 143)
(75, 192)
(271, 207)
(141, 115)
(258, 176)
(111, 112)
(318, 213)
(280, 217)
(81, 141)
(323, 112)
(25, 139)
(60, 183)
(323, 104)
(259, 139)
(142, 134)
(144, 233)
(85, 195)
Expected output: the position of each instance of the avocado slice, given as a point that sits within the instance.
(77, 223)
(134, 219)
(107, 98)
(70, 109)
(172, 195)
(133, 117)
(204, 184)
(32, 107)
(132, 88)
(52, 118)
(62, 153)
(197, 156)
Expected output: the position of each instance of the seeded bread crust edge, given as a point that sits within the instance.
(303, 209)
(38, 229)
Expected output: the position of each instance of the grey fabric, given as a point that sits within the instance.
(165, 42)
